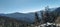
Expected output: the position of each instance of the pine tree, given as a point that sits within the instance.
(37, 21)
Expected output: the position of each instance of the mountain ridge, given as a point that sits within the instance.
(24, 17)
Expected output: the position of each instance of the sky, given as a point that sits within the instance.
(26, 6)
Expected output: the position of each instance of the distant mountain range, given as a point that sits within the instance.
(29, 17)
(57, 10)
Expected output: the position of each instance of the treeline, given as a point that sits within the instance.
(11, 22)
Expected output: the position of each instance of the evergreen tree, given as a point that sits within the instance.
(37, 21)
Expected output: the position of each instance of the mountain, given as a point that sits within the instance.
(57, 10)
(29, 17)
(11, 22)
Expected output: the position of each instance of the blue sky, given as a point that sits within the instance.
(25, 6)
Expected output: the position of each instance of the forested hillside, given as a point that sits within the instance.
(8, 22)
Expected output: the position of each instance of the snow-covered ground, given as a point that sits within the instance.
(43, 25)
